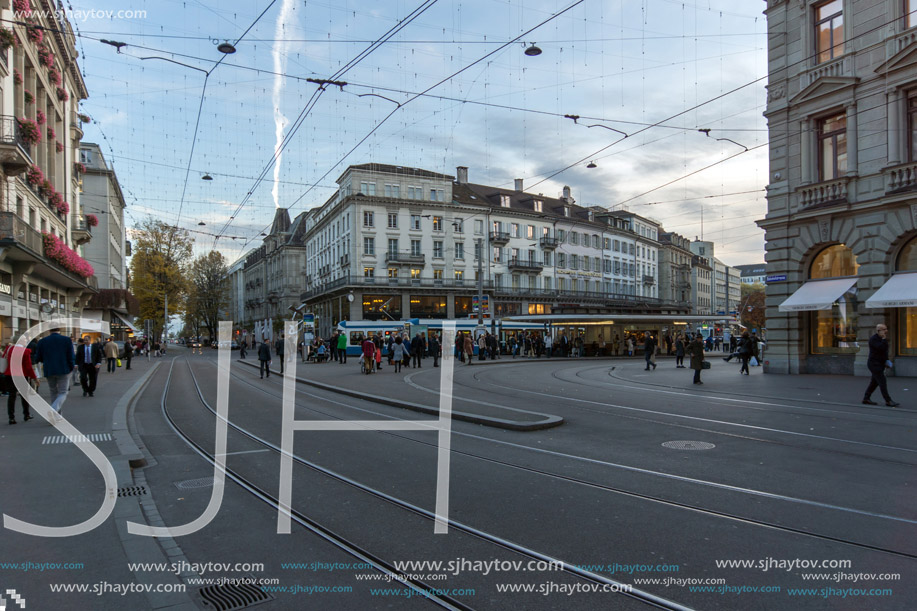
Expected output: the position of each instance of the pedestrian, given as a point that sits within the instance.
(89, 361)
(629, 344)
(333, 344)
(696, 351)
(434, 348)
(27, 372)
(493, 346)
(369, 354)
(482, 348)
(876, 363)
(111, 355)
(128, 354)
(342, 348)
(242, 346)
(511, 342)
(649, 351)
(468, 347)
(377, 342)
(278, 349)
(264, 359)
(680, 352)
(460, 346)
(55, 353)
(397, 354)
(417, 350)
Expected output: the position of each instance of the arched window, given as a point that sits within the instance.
(907, 317)
(834, 331)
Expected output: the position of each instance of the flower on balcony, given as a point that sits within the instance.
(54, 76)
(62, 94)
(40, 117)
(22, 7)
(52, 135)
(66, 257)
(7, 39)
(59, 147)
(63, 208)
(17, 77)
(84, 118)
(46, 188)
(29, 96)
(34, 176)
(31, 132)
(92, 220)
(34, 34)
(45, 56)
(79, 168)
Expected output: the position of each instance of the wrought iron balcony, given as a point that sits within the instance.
(548, 242)
(403, 259)
(524, 265)
(81, 232)
(499, 237)
(14, 152)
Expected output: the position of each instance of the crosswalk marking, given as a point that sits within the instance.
(50, 439)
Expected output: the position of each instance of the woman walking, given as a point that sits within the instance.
(696, 351)
(397, 353)
(680, 352)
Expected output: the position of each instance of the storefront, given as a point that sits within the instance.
(898, 297)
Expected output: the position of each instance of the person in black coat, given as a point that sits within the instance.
(278, 349)
(649, 351)
(433, 345)
(128, 354)
(88, 361)
(264, 358)
(876, 363)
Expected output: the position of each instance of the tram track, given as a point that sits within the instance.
(630, 493)
(366, 556)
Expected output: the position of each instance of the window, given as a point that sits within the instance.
(392, 220)
(85, 156)
(561, 260)
(574, 237)
(546, 232)
(547, 283)
(415, 222)
(595, 241)
(415, 248)
(498, 280)
(438, 249)
(617, 246)
(561, 235)
(607, 268)
(477, 250)
(833, 331)
(497, 254)
(532, 257)
(433, 195)
(829, 30)
(369, 272)
(459, 250)
(907, 317)
(910, 13)
(369, 246)
(437, 223)
(368, 219)
(539, 205)
(530, 232)
(504, 201)
(393, 246)
(606, 243)
(547, 258)
(458, 225)
(631, 249)
(393, 272)
(912, 125)
(514, 254)
(388, 190)
(459, 275)
(368, 188)
(415, 193)
(514, 230)
(574, 262)
(415, 273)
(832, 147)
(479, 227)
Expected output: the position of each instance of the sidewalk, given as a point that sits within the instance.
(48, 481)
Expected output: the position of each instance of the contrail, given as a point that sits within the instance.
(280, 66)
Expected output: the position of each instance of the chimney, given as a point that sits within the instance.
(567, 194)
(461, 173)
(518, 184)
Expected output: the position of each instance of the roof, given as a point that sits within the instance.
(281, 221)
(470, 193)
(395, 169)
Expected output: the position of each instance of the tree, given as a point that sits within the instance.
(158, 266)
(208, 296)
(753, 306)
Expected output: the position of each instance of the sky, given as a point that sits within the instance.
(643, 76)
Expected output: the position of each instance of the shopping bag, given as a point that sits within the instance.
(753, 362)
(119, 362)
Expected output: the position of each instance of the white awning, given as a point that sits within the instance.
(817, 295)
(900, 291)
(126, 323)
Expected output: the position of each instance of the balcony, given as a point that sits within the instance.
(14, 152)
(647, 279)
(901, 178)
(823, 194)
(499, 238)
(81, 233)
(25, 250)
(345, 260)
(402, 259)
(548, 242)
(523, 265)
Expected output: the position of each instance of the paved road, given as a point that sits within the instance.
(793, 471)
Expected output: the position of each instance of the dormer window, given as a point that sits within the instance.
(504, 201)
(566, 211)
(538, 205)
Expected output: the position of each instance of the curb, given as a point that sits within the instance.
(547, 422)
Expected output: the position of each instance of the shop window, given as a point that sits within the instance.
(907, 317)
(834, 331)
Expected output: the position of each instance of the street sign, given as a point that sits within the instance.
(776, 278)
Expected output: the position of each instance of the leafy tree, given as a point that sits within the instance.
(753, 306)
(158, 268)
(208, 296)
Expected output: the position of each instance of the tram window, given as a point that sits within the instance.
(356, 338)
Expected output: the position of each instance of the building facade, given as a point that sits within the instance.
(41, 222)
(755, 273)
(841, 226)
(675, 269)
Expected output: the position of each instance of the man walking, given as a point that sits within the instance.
(649, 351)
(278, 348)
(876, 363)
(89, 361)
(264, 359)
(55, 352)
(111, 355)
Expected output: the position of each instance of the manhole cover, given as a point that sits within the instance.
(189, 484)
(229, 597)
(132, 491)
(688, 445)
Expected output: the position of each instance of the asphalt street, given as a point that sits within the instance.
(749, 492)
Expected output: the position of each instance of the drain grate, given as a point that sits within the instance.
(688, 445)
(132, 491)
(230, 596)
(190, 484)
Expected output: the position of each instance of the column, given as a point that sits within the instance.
(894, 128)
(805, 152)
(852, 140)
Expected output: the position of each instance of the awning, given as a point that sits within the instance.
(125, 322)
(900, 291)
(817, 295)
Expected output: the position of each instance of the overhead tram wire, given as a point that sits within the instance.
(437, 84)
(317, 94)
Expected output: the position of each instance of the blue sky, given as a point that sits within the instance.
(656, 70)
